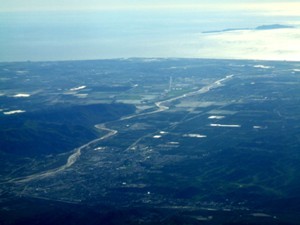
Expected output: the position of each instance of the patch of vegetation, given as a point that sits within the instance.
(55, 130)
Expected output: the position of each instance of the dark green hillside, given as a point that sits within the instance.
(55, 130)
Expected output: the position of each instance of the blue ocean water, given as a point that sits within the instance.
(70, 35)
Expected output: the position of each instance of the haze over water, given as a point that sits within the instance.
(71, 30)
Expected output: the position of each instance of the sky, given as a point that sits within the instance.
(42, 30)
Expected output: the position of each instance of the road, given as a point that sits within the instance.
(110, 132)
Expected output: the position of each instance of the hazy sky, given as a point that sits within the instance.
(91, 29)
(289, 6)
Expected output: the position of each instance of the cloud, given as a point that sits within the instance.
(281, 44)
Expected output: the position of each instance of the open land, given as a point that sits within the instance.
(150, 141)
